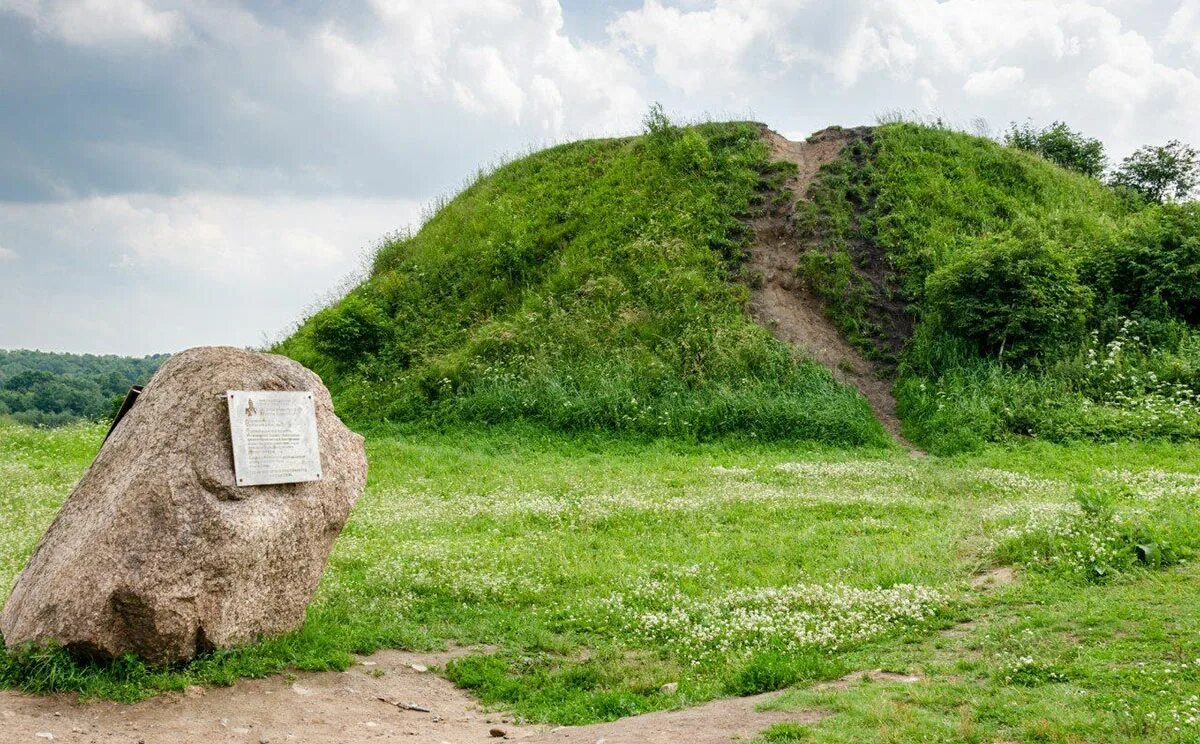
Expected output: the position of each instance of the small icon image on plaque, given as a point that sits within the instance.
(274, 437)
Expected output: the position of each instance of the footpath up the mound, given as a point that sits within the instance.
(157, 552)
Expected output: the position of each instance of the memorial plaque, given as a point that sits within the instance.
(274, 437)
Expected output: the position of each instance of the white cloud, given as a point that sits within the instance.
(929, 93)
(995, 81)
(7, 254)
(1183, 29)
(221, 238)
(230, 268)
(488, 84)
(98, 22)
(512, 61)
(1089, 61)
(355, 73)
(1040, 97)
(900, 38)
(695, 49)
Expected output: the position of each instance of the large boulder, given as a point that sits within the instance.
(158, 553)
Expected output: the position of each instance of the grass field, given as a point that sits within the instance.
(598, 570)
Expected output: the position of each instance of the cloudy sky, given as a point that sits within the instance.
(184, 173)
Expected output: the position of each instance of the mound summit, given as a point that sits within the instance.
(720, 280)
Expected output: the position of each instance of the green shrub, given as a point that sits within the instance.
(1109, 390)
(1104, 533)
(350, 330)
(691, 153)
(1164, 173)
(661, 134)
(1015, 298)
(1060, 144)
(1153, 267)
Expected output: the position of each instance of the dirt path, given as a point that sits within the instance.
(357, 705)
(782, 304)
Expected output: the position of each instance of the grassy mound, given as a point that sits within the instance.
(1041, 303)
(593, 287)
(588, 287)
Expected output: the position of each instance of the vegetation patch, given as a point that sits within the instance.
(1025, 279)
(784, 732)
(843, 264)
(787, 619)
(1104, 533)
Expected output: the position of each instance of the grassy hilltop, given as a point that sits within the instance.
(599, 286)
(591, 286)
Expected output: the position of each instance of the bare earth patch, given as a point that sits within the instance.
(994, 578)
(873, 675)
(383, 698)
(789, 310)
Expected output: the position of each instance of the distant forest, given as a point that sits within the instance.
(50, 389)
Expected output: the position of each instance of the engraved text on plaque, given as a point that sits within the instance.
(274, 437)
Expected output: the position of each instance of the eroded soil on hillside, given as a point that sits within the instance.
(382, 698)
(781, 302)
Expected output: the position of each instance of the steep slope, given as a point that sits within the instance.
(1015, 298)
(783, 303)
(588, 287)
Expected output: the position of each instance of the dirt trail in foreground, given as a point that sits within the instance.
(785, 306)
(346, 707)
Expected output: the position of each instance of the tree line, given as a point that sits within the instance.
(1156, 173)
(50, 389)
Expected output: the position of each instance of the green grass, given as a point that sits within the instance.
(784, 732)
(601, 569)
(909, 202)
(1042, 661)
(588, 287)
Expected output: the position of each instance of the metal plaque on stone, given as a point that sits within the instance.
(274, 437)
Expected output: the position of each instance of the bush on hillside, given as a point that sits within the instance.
(350, 330)
(1152, 269)
(953, 213)
(1060, 144)
(681, 148)
(1015, 298)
